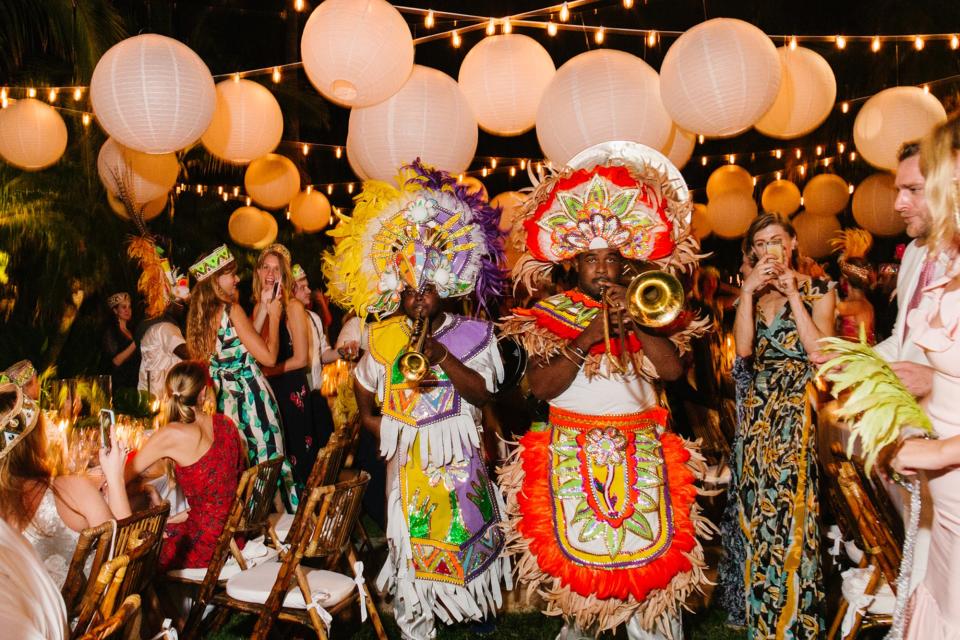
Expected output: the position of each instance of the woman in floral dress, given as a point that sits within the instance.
(780, 317)
(219, 332)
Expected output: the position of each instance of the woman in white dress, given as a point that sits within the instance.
(50, 511)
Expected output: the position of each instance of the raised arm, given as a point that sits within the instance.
(265, 351)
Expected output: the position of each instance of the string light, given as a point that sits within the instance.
(52, 96)
(225, 197)
(779, 174)
(803, 172)
(845, 107)
(819, 150)
(539, 167)
(652, 39)
(236, 191)
(841, 42)
(287, 212)
(853, 156)
(954, 42)
(77, 93)
(564, 12)
(793, 43)
(338, 152)
(754, 180)
(826, 162)
(926, 88)
(306, 149)
(523, 165)
(491, 27)
(703, 161)
(850, 189)
(220, 190)
(329, 189)
(778, 154)
(455, 40)
(460, 179)
(598, 36)
(799, 152)
(700, 138)
(236, 77)
(309, 191)
(31, 93)
(299, 5)
(628, 4)
(85, 119)
(493, 163)
(200, 190)
(350, 188)
(507, 26)
(875, 44)
(918, 43)
(841, 147)
(732, 158)
(551, 28)
(429, 21)
(484, 172)
(248, 201)
(276, 75)
(513, 172)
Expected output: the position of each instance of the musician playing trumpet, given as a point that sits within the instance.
(420, 384)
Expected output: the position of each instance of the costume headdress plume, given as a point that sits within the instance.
(429, 230)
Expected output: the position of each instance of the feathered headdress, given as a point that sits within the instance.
(429, 230)
(853, 245)
(619, 195)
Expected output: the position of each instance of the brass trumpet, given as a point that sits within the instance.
(654, 299)
(412, 363)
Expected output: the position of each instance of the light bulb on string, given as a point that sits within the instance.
(700, 138)
(429, 21)
(803, 171)
(31, 93)
(329, 189)
(338, 152)
(628, 4)
(220, 190)
(248, 200)
(798, 153)
(493, 163)
(779, 174)
(77, 93)
(276, 75)
(703, 161)
(513, 172)
(507, 26)
(539, 167)
(926, 88)
(551, 28)
(598, 36)
(236, 76)
(350, 188)
(652, 39)
(841, 147)
(309, 191)
(236, 191)
(850, 189)
(845, 107)
(793, 43)
(299, 5)
(491, 27)
(225, 197)
(754, 180)
(564, 12)
(819, 150)
(841, 42)
(523, 165)
(853, 156)
(875, 44)
(955, 42)
(732, 159)
(826, 162)
(306, 149)
(460, 179)
(484, 172)
(778, 153)
(85, 118)
(455, 40)
(918, 43)
(52, 95)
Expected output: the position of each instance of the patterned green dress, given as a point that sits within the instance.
(778, 486)
(244, 396)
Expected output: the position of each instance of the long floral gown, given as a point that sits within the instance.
(778, 484)
(244, 396)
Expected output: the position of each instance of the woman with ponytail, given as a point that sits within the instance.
(208, 458)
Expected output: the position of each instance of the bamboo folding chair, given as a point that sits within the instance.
(306, 595)
(248, 518)
(117, 624)
(862, 519)
(95, 544)
(117, 579)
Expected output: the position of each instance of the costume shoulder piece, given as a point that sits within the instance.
(428, 230)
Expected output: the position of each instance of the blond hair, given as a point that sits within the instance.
(207, 301)
(286, 273)
(27, 461)
(938, 162)
(185, 381)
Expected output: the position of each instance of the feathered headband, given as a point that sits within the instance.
(853, 245)
(619, 195)
(427, 231)
(19, 421)
(159, 282)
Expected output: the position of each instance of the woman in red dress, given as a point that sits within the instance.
(208, 458)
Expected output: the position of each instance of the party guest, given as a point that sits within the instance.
(119, 345)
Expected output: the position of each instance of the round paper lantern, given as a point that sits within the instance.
(246, 124)
(729, 178)
(892, 117)
(272, 181)
(153, 94)
(599, 96)
(357, 52)
(33, 136)
(429, 118)
(310, 212)
(354, 166)
(700, 222)
(731, 213)
(873, 203)
(503, 78)
(781, 196)
(151, 209)
(679, 146)
(814, 233)
(509, 203)
(252, 228)
(826, 194)
(807, 93)
(146, 177)
(720, 77)
(474, 185)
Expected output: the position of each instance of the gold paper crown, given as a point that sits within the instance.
(209, 265)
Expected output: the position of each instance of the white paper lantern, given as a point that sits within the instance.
(807, 93)
(252, 228)
(33, 136)
(720, 77)
(503, 78)
(700, 222)
(781, 196)
(247, 122)
(731, 213)
(474, 185)
(354, 165)
(814, 234)
(679, 146)
(310, 212)
(146, 177)
(873, 203)
(826, 194)
(429, 118)
(729, 178)
(357, 52)
(509, 203)
(272, 181)
(153, 94)
(150, 211)
(892, 117)
(599, 96)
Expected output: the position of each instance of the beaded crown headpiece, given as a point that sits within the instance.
(118, 298)
(20, 373)
(213, 262)
(19, 421)
(429, 230)
(298, 272)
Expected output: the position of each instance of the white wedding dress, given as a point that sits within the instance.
(53, 540)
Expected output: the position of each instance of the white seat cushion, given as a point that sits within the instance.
(282, 524)
(254, 553)
(254, 585)
(855, 583)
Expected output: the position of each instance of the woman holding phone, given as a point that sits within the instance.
(781, 315)
(273, 280)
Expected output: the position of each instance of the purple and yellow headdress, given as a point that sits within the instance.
(427, 231)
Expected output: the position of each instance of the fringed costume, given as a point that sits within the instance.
(443, 512)
(602, 517)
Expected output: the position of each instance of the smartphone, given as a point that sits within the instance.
(776, 250)
(107, 420)
(276, 290)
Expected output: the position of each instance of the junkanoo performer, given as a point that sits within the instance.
(601, 497)
(409, 249)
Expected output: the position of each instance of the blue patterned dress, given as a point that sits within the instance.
(244, 396)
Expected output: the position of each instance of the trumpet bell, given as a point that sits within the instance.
(655, 298)
(413, 366)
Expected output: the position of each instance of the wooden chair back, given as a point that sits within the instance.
(330, 461)
(116, 625)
